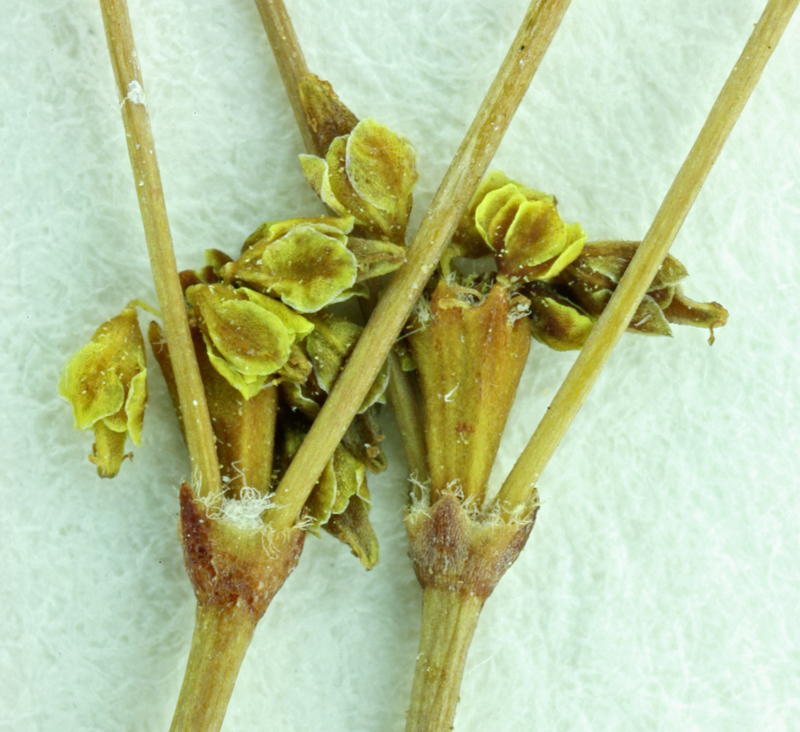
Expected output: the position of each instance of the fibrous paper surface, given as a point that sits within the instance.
(660, 587)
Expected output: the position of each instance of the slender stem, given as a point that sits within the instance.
(570, 397)
(405, 406)
(476, 151)
(220, 641)
(147, 179)
(291, 62)
(448, 624)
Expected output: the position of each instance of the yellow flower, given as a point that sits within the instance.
(105, 381)
(249, 337)
(520, 227)
(308, 262)
(304, 262)
(368, 174)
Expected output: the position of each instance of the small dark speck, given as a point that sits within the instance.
(522, 48)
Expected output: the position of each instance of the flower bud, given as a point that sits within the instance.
(105, 381)
(555, 321)
(467, 238)
(521, 227)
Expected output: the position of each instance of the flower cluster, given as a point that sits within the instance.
(471, 333)
(268, 350)
(366, 170)
(564, 309)
(106, 383)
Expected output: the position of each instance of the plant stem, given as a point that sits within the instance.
(405, 406)
(607, 331)
(292, 66)
(147, 179)
(448, 624)
(291, 61)
(469, 165)
(221, 638)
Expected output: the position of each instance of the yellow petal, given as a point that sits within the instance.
(296, 325)
(247, 386)
(553, 267)
(469, 240)
(339, 193)
(314, 170)
(135, 404)
(381, 167)
(375, 258)
(307, 269)
(91, 384)
(495, 214)
(252, 340)
(536, 235)
(335, 226)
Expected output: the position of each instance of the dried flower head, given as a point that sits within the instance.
(367, 171)
(304, 262)
(249, 337)
(564, 309)
(520, 227)
(105, 381)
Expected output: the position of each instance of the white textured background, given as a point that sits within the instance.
(660, 589)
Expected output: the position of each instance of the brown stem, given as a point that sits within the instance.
(521, 481)
(476, 151)
(221, 638)
(291, 62)
(141, 149)
(405, 406)
(448, 624)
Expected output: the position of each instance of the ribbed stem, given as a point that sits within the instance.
(221, 638)
(448, 624)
